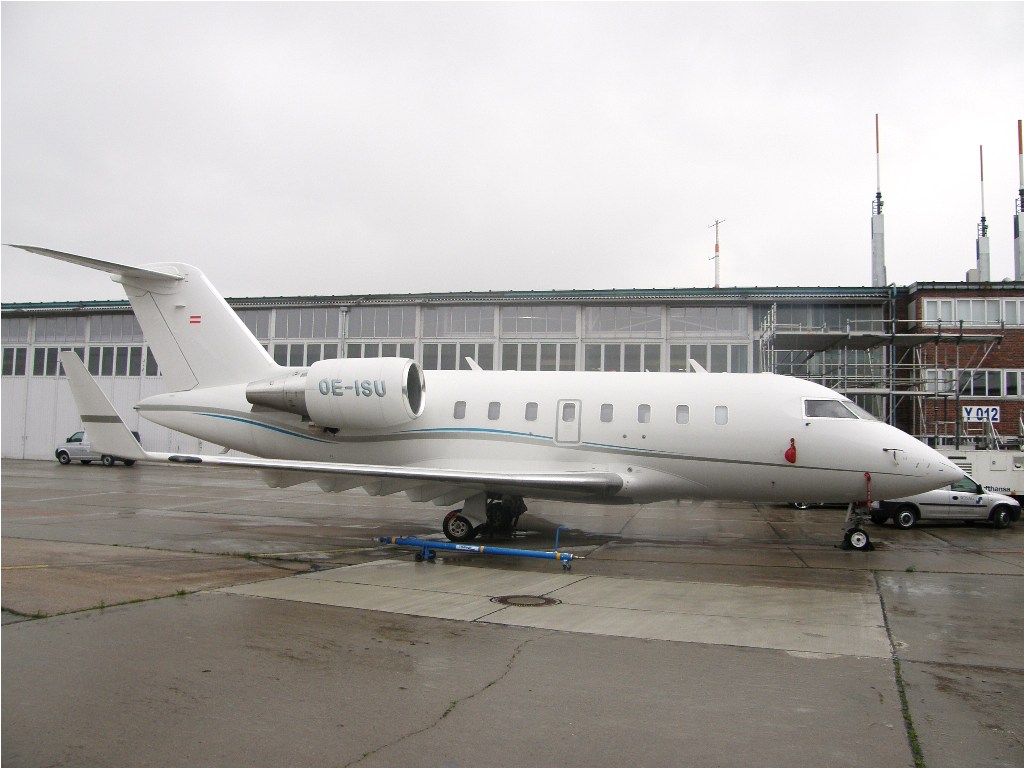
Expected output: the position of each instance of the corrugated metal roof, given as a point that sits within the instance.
(612, 295)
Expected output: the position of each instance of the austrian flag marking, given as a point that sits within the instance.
(195, 319)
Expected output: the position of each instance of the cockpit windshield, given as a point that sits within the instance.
(835, 409)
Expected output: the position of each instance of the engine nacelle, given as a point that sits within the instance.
(354, 393)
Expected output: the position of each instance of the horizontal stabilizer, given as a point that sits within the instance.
(119, 270)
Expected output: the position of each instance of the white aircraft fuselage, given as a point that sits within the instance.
(658, 458)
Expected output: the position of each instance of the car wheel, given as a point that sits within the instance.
(108, 461)
(905, 517)
(1001, 516)
(63, 458)
(129, 462)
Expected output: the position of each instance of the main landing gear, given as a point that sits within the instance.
(491, 514)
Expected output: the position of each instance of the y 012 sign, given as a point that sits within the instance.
(974, 414)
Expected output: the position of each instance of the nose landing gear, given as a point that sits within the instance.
(855, 537)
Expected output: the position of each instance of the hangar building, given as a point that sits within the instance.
(917, 356)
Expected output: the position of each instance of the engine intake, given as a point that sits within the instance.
(354, 393)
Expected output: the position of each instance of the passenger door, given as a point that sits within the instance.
(567, 427)
(965, 500)
(77, 445)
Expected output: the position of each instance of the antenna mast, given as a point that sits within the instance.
(715, 257)
(878, 277)
(982, 245)
(1018, 218)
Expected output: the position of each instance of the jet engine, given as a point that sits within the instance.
(354, 393)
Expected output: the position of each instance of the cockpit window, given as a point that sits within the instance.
(866, 415)
(828, 409)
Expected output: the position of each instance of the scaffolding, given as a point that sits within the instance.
(909, 373)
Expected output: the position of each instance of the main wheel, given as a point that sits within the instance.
(878, 517)
(457, 528)
(905, 517)
(1001, 516)
(63, 458)
(108, 461)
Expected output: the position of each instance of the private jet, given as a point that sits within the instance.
(482, 442)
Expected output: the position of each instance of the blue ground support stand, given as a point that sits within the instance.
(428, 549)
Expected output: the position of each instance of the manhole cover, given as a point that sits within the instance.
(525, 601)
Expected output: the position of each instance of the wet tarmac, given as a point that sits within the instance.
(169, 616)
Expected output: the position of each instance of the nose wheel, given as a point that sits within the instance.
(855, 537)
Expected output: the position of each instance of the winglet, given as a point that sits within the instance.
(107, 431)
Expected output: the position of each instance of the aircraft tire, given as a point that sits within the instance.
(457, 528)
(858, 540)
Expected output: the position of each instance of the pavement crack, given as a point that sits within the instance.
(452, 706)
(908, 721)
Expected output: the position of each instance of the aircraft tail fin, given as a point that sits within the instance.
(197, 339)
(107, 431)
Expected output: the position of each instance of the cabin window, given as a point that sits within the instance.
(721, 415)
(568, 412)
(643, 414)
(827, 409)
(460, 409)
(682, 414)
(493, 411)
(607, 411)
(531, 411)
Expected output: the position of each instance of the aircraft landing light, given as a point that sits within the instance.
(815, 621)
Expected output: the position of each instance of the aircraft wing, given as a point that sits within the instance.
(109, 434)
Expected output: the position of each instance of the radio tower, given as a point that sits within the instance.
(982, 246)
(877, 222)
(715, 257)
(1018, 219)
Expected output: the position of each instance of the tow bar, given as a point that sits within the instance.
(428, 549)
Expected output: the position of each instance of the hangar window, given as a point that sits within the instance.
(442, 322)
(61, 329)
(452, 356)
(374, 349)
(381, 322)
(114, 328)
(721, 415)
(607, 412)
(630, 322)
(15, 329)
(709, 321)
(538, 357)
(14, 361)
(643, 414)
(531, 411)
(257, 321)
(152, 369)
(493, 411)
(682, 414)
(539, 320)
(622, 357)
(460, 409)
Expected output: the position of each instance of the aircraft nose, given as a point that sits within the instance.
(933, 466)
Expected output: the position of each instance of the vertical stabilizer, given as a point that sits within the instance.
(197, 339)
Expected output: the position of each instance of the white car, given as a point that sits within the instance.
(77, 448)
(963, 500)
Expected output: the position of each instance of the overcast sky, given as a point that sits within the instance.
(390, 148)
